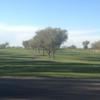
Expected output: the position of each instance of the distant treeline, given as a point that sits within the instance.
(95, 45)
(7, 45)
(4, 45)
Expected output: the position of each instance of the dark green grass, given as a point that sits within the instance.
(21, 62)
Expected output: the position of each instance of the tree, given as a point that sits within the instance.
(85, 44)
(27, 44)
(49, 39)
(96, 45)
(4, 45)
(72, 47)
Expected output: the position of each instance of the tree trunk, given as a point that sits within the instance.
(39, 50)
(49, 53)
(53, 54)
(43, 51)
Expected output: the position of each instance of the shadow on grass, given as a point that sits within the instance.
(91, 58)
(13, 63)
(30, 65)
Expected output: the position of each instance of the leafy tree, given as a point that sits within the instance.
(50, 39)
(4, 45)
(85, 44)
(96, 45)
(27, 44)
(72, 47)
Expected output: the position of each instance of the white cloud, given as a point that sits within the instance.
(16, 34)
(76, 37)
(20, 28)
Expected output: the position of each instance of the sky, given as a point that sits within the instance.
(20, 19)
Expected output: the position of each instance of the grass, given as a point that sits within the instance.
(68, 63)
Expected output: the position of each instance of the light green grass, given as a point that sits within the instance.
(67, 63)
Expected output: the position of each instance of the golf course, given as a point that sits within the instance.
(67, 63)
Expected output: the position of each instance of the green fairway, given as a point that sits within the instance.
(67, 63)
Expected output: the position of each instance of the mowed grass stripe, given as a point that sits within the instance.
(22, 62)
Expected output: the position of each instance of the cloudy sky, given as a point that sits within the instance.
(20, 19)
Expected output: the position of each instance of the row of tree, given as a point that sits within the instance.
(48, 39)
(51, 39)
